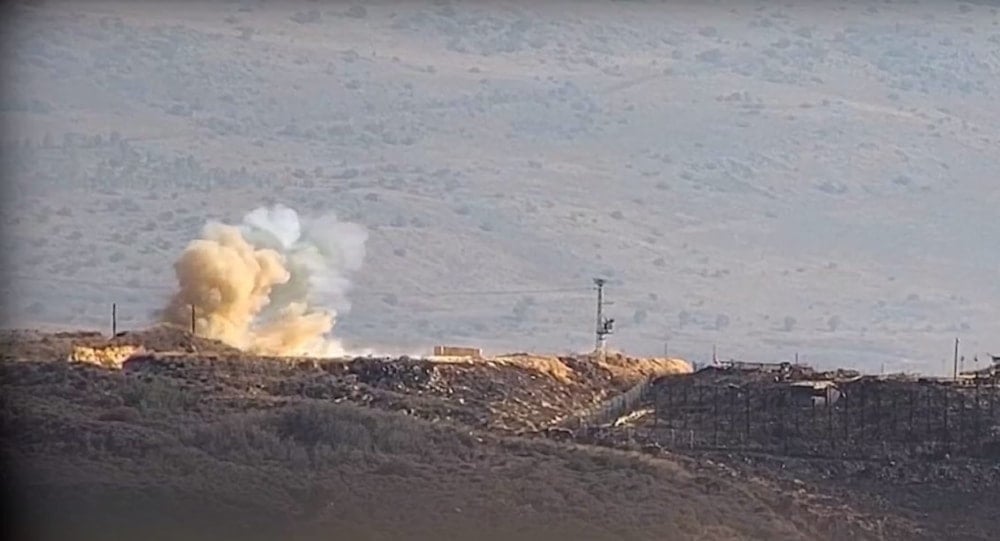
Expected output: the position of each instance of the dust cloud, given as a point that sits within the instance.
(273, 285)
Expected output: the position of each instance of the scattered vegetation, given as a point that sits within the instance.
(200, 453)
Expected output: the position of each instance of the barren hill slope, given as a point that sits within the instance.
(806, 177)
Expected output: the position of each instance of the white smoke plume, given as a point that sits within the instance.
(273, 285)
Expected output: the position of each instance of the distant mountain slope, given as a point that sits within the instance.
(771, 179)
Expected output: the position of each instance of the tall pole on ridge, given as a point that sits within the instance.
(599, 347)
(955, 369)
(604, 325)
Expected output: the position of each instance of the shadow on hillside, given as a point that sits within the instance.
(99, 453)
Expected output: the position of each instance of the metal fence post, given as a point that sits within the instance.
(715, 414)
(910, 434)
(829, 420)
(746, 436)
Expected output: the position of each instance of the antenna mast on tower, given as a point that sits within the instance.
(604, 326)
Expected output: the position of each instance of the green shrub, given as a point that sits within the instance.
(347, 427)
(156, 395)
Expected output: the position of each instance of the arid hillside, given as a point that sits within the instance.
(804, 176)
(217, 445)
(922, 451)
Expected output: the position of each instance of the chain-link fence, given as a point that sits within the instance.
(863, 418)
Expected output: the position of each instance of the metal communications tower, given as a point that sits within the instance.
(605, 326)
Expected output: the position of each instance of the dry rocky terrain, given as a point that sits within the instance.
(922, 455)
(217, 445)
(811, 176)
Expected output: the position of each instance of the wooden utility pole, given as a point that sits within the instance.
(192, 319)
(114, 320)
